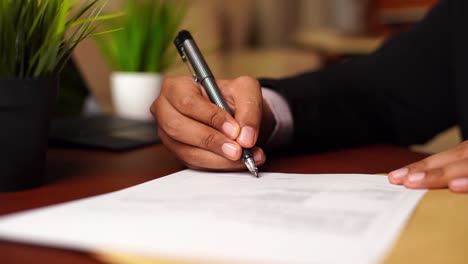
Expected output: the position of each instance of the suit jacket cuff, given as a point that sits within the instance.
(282, 134)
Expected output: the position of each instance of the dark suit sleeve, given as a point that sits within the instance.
(401, 94)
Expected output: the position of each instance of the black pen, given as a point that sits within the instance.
(202, 74)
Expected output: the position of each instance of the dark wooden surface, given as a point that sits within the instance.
(74, 174)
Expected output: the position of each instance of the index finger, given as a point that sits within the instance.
(189, 101)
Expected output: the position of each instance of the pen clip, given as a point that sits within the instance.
(189, 65)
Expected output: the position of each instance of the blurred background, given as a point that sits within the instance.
(276, 38)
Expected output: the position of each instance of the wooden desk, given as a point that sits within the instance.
(437, 233)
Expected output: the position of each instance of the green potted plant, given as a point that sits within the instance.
(140, 52)
(36, 40)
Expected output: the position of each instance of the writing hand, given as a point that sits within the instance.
(204, 136)
(442, 170)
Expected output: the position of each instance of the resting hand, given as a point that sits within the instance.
(201, 134)
(442, 170)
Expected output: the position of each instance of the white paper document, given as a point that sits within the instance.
(233, 217)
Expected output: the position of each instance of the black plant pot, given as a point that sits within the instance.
(25, 110)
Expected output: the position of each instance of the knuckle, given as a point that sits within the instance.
(231, 102)
(170, 84)
(172, 127)
(166, 84)
(186, 104)
(417, 166)
(223, 83)
(422, 164)
(248, 81)
(216, 118)
(442, 171)
(436, 175)
(208, 140)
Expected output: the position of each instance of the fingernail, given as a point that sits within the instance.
(461, 183)
(398, 174)
(229, 129)
(247, 136)
(416, 177)
(229, 149)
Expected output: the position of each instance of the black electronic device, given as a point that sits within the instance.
(70, 129)
(102, 132)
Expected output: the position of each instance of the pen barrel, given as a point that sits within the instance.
(214, 94)
(198, 63)
(203, 73)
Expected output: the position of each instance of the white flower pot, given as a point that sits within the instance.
(133, 94)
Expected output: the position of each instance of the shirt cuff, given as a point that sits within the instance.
(282, 134)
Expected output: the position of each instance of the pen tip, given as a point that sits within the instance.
(250, 164)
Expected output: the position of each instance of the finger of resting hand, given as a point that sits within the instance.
(197, 158)
(438, 177)
(198, 107)
(459, 185)
(432, 162)
(191, 132)
(440, 159)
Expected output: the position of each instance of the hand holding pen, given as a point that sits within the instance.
(203, 135)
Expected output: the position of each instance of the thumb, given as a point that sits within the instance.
(247, 97)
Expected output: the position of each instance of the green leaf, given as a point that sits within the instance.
(95, 19)
(144, 44)
(34, 42)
